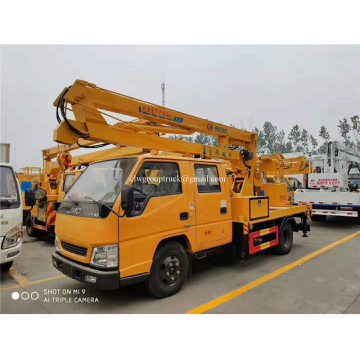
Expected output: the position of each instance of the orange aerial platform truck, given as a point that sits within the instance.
(144, 217)
(55, 180)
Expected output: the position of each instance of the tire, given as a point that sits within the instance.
(164, 280)
(357, 220)
(318, 217)
(286, 237)
(25, 215)
(30, 230)
(6, 266)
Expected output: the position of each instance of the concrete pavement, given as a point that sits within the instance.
(328, 283)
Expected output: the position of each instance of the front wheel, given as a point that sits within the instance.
(30, 230)
(285, 240)
(169, 270)
(6, 266)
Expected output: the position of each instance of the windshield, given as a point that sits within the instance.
(101, 181)
(9, 194)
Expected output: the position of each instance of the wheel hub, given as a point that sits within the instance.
(170, 270)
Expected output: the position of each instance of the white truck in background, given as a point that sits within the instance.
(329, 188)
(4, 153)
(11, 231)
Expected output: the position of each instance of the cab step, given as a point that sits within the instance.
(200, 254)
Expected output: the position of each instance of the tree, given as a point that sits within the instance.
(313, 143)
(304, 139)
(261, 143)
(344, 129)
(355, 121)
(206, 139)
(269, 131)
(289, 147)
(324, 134)
(181, 137)
(295, 138)
(279, 145)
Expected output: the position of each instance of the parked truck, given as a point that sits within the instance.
(330, 188)
(11, 232)
(5, 153)
(143, 218)
(55, 180)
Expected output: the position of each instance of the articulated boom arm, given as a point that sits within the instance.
(277, 164)
(62, 155)
(89, 103)
(342, 152)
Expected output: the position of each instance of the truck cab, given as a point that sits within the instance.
(11, 215)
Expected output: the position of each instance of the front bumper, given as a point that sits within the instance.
(10, 254)
(105, 280)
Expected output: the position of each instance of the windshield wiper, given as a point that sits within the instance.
(100, 204)
(75, 202)
(93, 200)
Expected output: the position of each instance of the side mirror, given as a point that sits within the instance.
(29, 197)
(40, 194)
(127, 199)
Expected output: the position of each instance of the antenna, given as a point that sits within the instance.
(163, 90)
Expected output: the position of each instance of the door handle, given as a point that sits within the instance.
(223, 210)
(184, 216)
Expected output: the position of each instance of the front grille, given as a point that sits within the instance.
(78, 250)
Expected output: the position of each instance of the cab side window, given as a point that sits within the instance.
(158, 178)
(207, 178)
(69, 181)
(289, 187)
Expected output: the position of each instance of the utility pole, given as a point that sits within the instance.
(163, 91)
(15, 159)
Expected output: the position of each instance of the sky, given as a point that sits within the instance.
(246, 85)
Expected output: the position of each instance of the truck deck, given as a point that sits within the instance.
(276, 212)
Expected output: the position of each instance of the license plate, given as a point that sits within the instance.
(68, 270)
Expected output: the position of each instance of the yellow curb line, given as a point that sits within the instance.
(231, 295)
(22, 282)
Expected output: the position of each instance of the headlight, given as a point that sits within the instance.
(105, 256)
(13, 237)
(56, 243)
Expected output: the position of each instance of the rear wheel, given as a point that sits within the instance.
(30, 230)
(285, 240)
(358, 218)
(169, 270)
(6, 266)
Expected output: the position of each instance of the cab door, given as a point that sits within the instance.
(165, 213)
(212, 204)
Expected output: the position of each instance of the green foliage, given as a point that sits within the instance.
(350, 132)
(295, 138)
(324, 134)
(198, 139)
(344, 129)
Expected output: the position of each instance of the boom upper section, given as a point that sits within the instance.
(91, 103)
